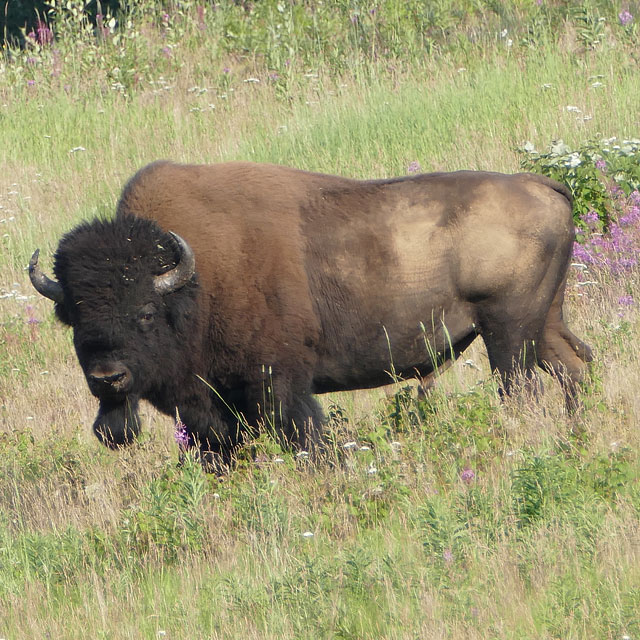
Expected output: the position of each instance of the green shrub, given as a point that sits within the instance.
(592, 172)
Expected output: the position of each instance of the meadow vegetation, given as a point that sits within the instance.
(452, 516)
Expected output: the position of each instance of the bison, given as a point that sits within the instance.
(234, 292)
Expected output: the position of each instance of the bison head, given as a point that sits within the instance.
(128, 290)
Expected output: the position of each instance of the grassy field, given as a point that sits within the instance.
(458, 516)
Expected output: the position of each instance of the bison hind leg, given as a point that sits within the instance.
(565, 357)
(561, 353)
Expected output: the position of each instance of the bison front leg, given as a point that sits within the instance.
(304, 426)
(287, 410)
(211, 435)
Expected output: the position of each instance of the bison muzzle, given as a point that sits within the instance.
(232, 293)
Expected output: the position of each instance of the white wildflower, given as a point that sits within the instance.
(573, 160)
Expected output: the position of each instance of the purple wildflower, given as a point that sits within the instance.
(42, 34)
(582, 254)
(626, 301)
(616, 191)
(32, 321)
(630, 218)
(261, 460)
(625, 18)
(31, 83)
(414, 167)
(601, 164)
(447, 556)
(591, 219)
(226, 70)
(181, 435)
(166, 52)
(273, 76)
(31, 317)
(467, 476)
(616, 251)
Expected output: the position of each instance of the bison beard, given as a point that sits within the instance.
(232, 293)
(117, 424)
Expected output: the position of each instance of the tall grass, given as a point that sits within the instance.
(458, 515)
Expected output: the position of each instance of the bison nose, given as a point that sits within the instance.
(105, 379)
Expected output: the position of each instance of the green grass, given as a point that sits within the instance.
(540, 542)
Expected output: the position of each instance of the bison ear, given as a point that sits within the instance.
(62, 314)
(182, 310)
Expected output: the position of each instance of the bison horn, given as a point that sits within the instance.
(181, 273)
(43, 284)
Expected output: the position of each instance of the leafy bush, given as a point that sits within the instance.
(594, 171)
(604, 178)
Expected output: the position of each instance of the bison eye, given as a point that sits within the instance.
(146, 316)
